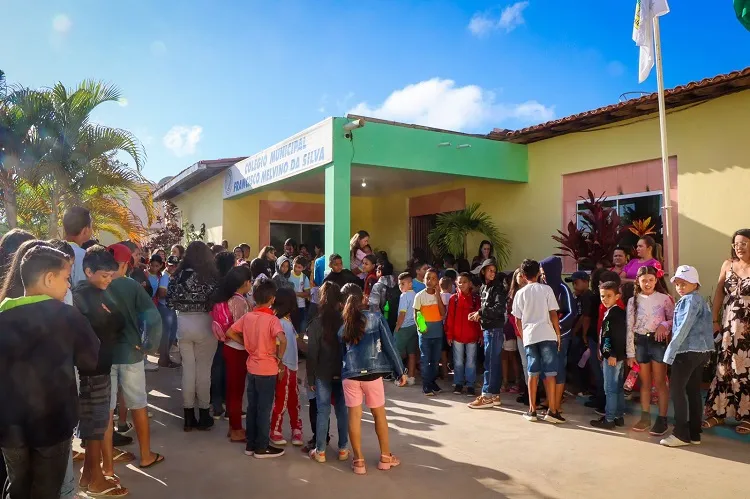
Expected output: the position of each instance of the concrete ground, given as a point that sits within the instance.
(447, 450)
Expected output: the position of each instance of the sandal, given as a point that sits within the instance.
(115, 491)
(123, 457)
(711, 422)
(112, 478)
(743, 428)
(392, 461)
(358, 466)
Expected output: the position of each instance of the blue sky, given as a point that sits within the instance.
(205, 80)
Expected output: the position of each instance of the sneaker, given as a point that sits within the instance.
(150, 367)
(118, 439)
(471, 391)
(249, 453)
(217, 414)
(695, 442)
(278, 439)
(428, 393)
(644, 423)
(436, 388)
(459, 389)
(297, 439)
(410, 381)
(530, 416)
(620, 422)
(672, 441)
(660, 427)
(344, 454)
(482, 402)
(124, 428)
(496, 402)
(603, 423)
(600, 411)
(554, 417)
(268, 453)
(317, 456)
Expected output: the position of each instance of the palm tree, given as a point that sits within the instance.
(452, 229)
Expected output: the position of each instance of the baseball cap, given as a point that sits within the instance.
(173, 260)
(578, 275)
(121, 253)
(686, 273)
(485, 264)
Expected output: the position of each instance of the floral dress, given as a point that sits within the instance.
(729, 394)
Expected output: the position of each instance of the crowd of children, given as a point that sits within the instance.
(241, 324)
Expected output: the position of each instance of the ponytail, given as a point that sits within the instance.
(354, 321)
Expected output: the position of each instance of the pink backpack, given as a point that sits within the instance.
(222, 319)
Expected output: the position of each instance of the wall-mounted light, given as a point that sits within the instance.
(463, 146)
(352, 125)
(444, 144)
(364, 183)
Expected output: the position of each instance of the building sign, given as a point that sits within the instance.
(300, 153)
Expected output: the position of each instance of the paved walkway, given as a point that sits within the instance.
(447, 451)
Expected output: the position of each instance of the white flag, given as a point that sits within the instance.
(643, 33)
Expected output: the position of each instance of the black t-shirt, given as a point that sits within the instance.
(367, 377)
(588, 306)
(105, 319)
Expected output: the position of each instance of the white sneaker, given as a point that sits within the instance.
(410, 381)
(672, 441)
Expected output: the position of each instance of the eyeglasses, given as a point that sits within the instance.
(742, 245)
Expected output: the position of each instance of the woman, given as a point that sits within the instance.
(189, 294)
(369, 354)
(177, 250)
(9, 243)
(324, 362)
(649, 255)
(486, 251)
(224, 264)
(729, 393)
(357, 252)
(619, 260)
(268, 256)
(239, 256)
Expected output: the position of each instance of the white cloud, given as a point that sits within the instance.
(510, 18)
(61, 23)
(182, 140)
(158, 48)
(440, 103)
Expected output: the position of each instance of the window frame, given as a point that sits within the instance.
(617, 198)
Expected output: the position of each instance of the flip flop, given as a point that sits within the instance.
(79, 456)
(108, 492)
(711, 422)
(743, 428)
(112, 478)
(124, 457)
(159, 459)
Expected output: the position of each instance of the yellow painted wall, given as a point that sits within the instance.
(203, 204)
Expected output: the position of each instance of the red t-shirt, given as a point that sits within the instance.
(259, 329)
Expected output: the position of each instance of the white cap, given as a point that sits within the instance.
(686, 273)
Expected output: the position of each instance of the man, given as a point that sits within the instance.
(77, 225)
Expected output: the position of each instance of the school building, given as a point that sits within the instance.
(391, 179)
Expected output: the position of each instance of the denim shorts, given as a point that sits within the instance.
(131, 378)
(542, 357)
(647, 349)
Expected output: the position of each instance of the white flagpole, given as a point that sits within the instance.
(667, 217)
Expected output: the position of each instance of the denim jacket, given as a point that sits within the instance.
(375, 352)
(691, 329)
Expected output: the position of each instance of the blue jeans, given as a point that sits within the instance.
(493, 361)
(464, 372)
(430, 350)
(614, 379)
(69, 485)
(562, 359)
(596, 371)
(327, 393)
(542, 358)
(168, 332)
(260, 393)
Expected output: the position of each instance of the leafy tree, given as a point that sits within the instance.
(191, 234)
(170, 232)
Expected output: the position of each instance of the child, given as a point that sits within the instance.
(535, 310)
(407, 338)
(369, 265)
(612, 352)
(385, 295)
(339, 274)
(369, 354)
(42, 340)
(586, 307)
(265, 342)
(650, 313)
(517, 282)
(287, 392)
(491, 318)
(283, 272)
(301, 285)
(463, 335)
(231, 291)
(418, 283)
(447, 288)
(428, 315)
(96, 424)
(687, 353)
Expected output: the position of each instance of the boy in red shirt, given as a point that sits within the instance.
(463, 335)
(264, 339)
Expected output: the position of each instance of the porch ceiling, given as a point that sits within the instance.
(379, 181)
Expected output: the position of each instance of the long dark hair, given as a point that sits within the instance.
(480, 256)
(656, 252)
(200, 259)
(285, 302)
(9, 244)
(741, 232)
(329, 310)
(354, 242)
(224, 262)
(265, 250)
(354, 319)
(13, 284)
(659, 288)
(230, 283)
(514, 286)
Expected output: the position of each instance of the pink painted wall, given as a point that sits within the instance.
(630, 178)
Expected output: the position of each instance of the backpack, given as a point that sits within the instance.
(222, 319)
(390, 306)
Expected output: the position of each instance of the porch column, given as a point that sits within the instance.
(338, 178)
